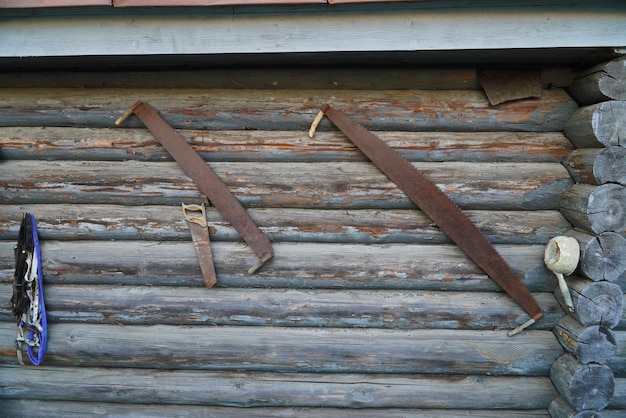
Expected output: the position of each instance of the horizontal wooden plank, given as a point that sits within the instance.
(180, 3)
(20, 4)
(396, 309)
(295, 265)
(320, 77)
(499, 186)
(300, 77)
(403, 27)
(58, 143)
(336, 390)
(70, 409)
(424, 110)
(291, 350)
(165, 223)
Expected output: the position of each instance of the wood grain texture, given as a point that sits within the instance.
(408, 310)
(69, 409)
(524, 186)
(590, 344)
(595, 303)
(584, 386)
(405, 110)
(62, 143)
(602, 257)
(599, 125)
(603, 82)
(596, 209)
(283, 350)
(366, 305)
(560, 408)
(338, 390)
(597, 166)
(403, 27)
(366, 226)
(296, 265)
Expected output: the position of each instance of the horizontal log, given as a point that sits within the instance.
(560, 408)
(391, 78)
(295, 265)
(597, 165)
(617, 363)
(150, 305)
(103, 222)
(601, 83)
(63, 143)
(71, 409)
(500, 186)
(598, 125)
(595, 303)
(335, 390)
(260, 78)
(584, 386)
(590, 344)
(619, 399)
(602, 257)
(291, 350)
(596, 209)
(456, 110)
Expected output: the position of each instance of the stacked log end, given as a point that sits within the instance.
(595, 206)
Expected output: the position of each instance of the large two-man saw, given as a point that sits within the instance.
(438, 206)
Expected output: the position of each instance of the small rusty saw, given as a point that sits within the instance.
(438, 206)
(205, 178)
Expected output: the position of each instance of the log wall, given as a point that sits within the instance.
(366, 305)
(590, 377)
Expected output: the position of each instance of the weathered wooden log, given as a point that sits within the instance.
(296, 265)
(275, 78)
(602, 257)
(347, 185)
(149, 305)
(595, 303)
(560, 408)
(584, 386)
(63, 143)
(294, 350)
(606, 81)
(599, 125)
(619, 399)
(103, 222)
(617, 363)
(455, 110)
(69, 409)
(597, 165)
(260, 78)
(590, 344)
(596, 209)
(333, 390)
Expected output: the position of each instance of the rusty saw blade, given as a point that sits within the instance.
(205, 178)
(438, 206)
